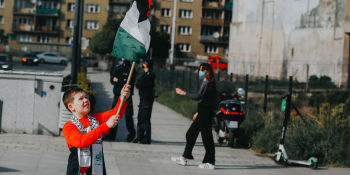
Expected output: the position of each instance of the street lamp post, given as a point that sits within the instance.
(77, 33)
(171, 53)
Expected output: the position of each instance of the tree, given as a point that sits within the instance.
(102, 42)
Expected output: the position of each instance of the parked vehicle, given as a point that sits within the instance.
(5, 61)
(89, 61)
(217, 62)
(30, 58)
(47, 57)
(228, 119)
(194, 64)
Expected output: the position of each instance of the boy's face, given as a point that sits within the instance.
(80, 105)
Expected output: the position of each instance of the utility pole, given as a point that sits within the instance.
(171, 53)
(77, 34)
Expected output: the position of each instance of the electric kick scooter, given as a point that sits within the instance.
(281, 155)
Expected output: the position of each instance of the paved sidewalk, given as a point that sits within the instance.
(41, 155)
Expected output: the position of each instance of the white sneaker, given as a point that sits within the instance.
(180, 160)
(207, 166)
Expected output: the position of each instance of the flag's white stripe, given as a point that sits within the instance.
(140, 31)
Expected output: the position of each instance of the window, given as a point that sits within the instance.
(68, 40)
(49, 5)
(43, 39)
(225, 50)
(184, 47)
(211, 14)
(23, 20)
(69, 24)
(185, 14)
(185, 30)
(92, 25)
(165, 28)
(209, 30)
(50, 55)
(166, 12)
(92, 8)
(211, 49)
(1, 20)
(25, 38)
(119, 9)
(227, 31)
(187, 0)
(2, 3)
(71, 7)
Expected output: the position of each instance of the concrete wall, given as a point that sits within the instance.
(287, 37)
(30, 102)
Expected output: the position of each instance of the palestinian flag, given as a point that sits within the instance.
(133, 39)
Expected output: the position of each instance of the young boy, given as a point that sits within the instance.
(83, 132)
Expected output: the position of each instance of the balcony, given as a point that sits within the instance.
(47, 12)
(228, 6)
(212, 5)
(212, 39)
(207, 21)
(24, 11)
(25, 28)
(120, 2)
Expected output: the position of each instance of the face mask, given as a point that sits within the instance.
(201, 74)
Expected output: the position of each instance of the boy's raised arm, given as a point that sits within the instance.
(76, 139)
(102, 117)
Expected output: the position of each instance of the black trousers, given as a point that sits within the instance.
(129, 112)
(144, 122)
(203, 124)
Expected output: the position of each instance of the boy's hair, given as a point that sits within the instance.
(68, 96)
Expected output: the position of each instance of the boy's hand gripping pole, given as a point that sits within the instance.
(122, 98)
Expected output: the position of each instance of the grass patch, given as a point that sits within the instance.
(180, 104)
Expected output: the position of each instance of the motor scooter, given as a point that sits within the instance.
(228, 118)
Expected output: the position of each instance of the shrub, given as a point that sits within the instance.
(266, 139)
(251, 125)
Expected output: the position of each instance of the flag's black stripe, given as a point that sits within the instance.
(143, 7)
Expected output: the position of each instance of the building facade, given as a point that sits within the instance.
(94, 17)
(5, 21)
(201, 26)
(282, 38)
(46, 25)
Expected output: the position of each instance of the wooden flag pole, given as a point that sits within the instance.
(128, 83)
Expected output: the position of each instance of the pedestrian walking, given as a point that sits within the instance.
(83, 132)
(145, 85)
(119, 77)
(202, 120)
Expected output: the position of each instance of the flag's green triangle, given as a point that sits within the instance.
(126, 46)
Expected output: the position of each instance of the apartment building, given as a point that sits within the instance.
(215, 26)
(95, 16)
(202, 27)
(5, 20)
(117, 8)
(34, 23)
(46, 25)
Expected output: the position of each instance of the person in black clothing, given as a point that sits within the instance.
(202, 120)
(119, 77)
(145, 84)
